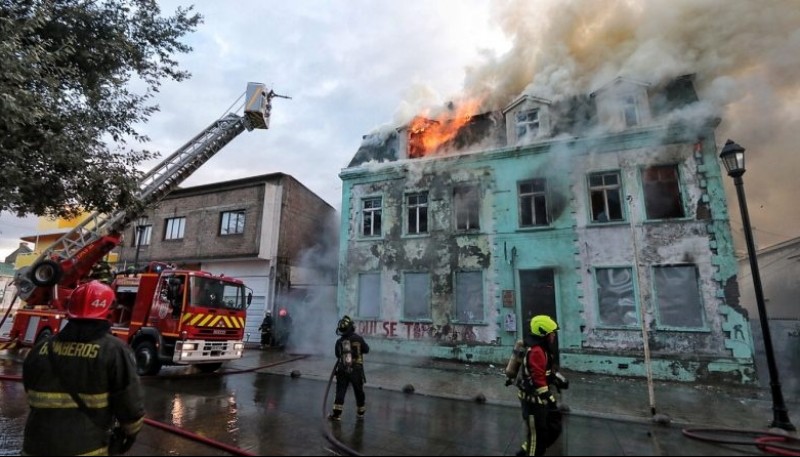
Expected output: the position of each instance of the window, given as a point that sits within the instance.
(532, 203)
(417, 296)
(174, 228)
(466, 205)
(145, 231)
(662, 193)
(417, 212)
(616, 301)
(678, 296)
(527, 123)
(630, 111)
(469, 296)
(371, 216)
(605, 196)
(232, 222)
(369, 295)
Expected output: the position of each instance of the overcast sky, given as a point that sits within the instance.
(353, 66)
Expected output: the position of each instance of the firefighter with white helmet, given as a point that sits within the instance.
(81, 382)
(539, 409)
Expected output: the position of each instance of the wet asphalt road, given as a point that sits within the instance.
(257, 413)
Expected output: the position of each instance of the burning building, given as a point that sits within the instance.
(604, 210)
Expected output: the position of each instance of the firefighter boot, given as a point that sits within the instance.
(362, 410)
(336, 414)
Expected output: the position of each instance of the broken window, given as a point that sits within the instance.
(371, 216)
(466, 204)
(469, 297)
(527, 123)
(662, 193)
(231, 222)
(369, 295)
(630, 111)
(174, 228)
(532, 203)
(417, 213)
(417, 296)
(677, 296)
(605, 195)
(616, 302)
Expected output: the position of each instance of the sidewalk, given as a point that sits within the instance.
(602, 396)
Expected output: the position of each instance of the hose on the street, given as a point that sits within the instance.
(326, 427)
(195, 437)
(766, 441)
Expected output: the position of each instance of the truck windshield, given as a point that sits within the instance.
(216, 293)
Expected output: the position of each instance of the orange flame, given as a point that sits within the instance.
(426, 135)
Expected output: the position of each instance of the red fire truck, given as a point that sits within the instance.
(168, 316)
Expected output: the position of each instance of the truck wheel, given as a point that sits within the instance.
(147, 363)
(209, 367)
(46, 273)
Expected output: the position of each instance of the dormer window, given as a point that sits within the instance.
(630, 111)
(528, 123)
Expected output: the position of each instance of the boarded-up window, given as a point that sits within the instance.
(532, 203)
(605, 195)
(369, 295)
(417, 296)
(616, 300)
(469, 296)
(678, 296)
(662, 193)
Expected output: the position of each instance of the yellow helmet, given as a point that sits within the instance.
(542, 325)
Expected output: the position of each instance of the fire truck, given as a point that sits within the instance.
(168, 316)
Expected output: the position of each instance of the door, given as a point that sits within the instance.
(537, 291)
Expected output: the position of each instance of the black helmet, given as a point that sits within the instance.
(345, 326)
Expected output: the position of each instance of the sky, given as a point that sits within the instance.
(353, 67)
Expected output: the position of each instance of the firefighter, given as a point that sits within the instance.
(266, 330)
(81, 382)
(350, 349)
(539, 409)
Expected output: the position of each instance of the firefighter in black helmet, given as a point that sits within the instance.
(350, 349)
(82, 381)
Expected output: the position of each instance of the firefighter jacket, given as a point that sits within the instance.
(98, 367)
(358, 347)
(537, 367)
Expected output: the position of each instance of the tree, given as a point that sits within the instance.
(67, 112)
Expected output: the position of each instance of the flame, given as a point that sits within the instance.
(426, 134)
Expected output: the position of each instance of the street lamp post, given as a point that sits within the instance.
(141, 225)
(732, 157)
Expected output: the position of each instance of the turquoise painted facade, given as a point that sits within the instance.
(449, 255)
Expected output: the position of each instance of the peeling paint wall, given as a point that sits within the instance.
(569, 245)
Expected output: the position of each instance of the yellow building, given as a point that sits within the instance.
(48, 231)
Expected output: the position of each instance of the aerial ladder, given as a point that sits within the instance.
(48, 282)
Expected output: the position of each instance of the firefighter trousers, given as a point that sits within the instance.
(344, 378)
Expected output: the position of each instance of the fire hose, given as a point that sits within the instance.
(327, 428)
(766, 441)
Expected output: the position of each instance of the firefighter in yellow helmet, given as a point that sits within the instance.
(539, 410)
(82, 381)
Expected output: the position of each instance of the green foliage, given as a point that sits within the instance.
(67, 113)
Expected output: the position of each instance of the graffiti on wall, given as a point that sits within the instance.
(417, 331)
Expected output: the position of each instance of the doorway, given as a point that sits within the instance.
(537, 289)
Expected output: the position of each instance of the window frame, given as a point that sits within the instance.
(631, 117)
(420, 210)
(169, 228)
(524, 126)
(239, 214)
(533, 197)
(467, 190)
(372, 212)
(605, 188)
(648, 193)
(146, 236)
